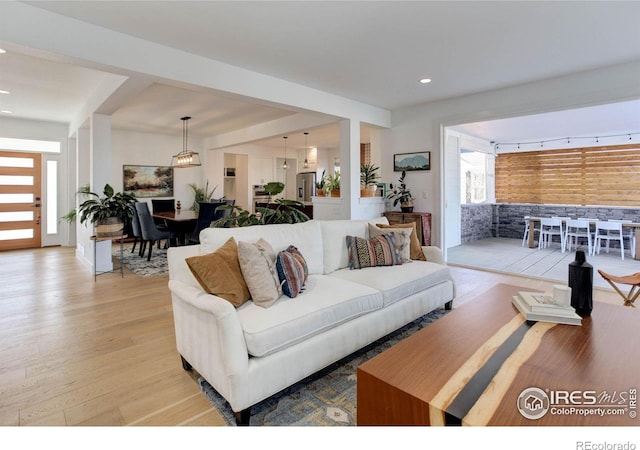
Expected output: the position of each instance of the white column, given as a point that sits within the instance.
(100, 144)
(84, 246)
(349, 167)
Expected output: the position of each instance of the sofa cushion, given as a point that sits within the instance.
(290, 273)
(219, 273)
(258, 265)
(377, 251)
(415, 248)
(398, 282)
(326, 303)
(334, 232)
(307, 236)
(401, 239)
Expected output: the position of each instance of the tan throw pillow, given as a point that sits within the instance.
(258, 265)
(402, 239)
(219, 273)
(415, 247)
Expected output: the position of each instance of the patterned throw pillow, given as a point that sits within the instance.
(296, 253)
(415, 248)
(291, 273)
(401, 239)
(377, 251)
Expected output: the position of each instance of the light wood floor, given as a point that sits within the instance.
(78, 352)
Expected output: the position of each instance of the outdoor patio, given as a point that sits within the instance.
(507, 255)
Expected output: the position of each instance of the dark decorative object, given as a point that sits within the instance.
(581, 284)
(401, 194)
(147, 181)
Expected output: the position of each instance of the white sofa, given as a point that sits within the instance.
(250, 353)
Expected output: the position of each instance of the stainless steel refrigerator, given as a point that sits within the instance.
(305, 186)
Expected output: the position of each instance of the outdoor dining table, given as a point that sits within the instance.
(532, 221)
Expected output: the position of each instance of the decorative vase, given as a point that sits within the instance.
(406, 207)
(581, 284)
(110, 227)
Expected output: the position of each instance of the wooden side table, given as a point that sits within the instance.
(422, 220)
(95, 245)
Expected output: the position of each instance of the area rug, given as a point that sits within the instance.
(327, 398)
(139, 264)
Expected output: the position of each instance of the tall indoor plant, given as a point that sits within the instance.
(109, 213)
(401, 194)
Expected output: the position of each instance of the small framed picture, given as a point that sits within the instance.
(382, 190)
(411, 161)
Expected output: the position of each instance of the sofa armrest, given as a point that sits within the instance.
(433, 254)
(209, 336)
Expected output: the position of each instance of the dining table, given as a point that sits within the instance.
(636, 226)
(179, 221)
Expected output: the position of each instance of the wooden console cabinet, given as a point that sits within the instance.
(422, 220)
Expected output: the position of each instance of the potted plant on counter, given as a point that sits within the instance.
(401, 194)
(333, 184)
(109, 214)
(321, 185)
(368, 179)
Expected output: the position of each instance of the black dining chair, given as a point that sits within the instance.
(136, 231)
(150, 232)
(206, 214)
(162, 205)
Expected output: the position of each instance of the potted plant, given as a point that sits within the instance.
(401, 194)
(333, 184)
(321, 185)
(368, 179)
(109, 214)
(201, 194)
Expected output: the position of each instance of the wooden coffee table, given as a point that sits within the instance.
(482, 364)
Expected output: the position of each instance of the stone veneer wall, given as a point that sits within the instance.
(477, 222)
(507, 219)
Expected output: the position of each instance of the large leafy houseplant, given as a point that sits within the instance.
(201, 194)
(112, 211)
(401, 194)
(280, 211)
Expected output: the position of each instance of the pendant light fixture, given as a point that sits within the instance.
(306, 161)
(185, 158)
(284, 165)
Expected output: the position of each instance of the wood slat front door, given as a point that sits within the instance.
(20, 205)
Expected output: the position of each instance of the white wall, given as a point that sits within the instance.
(420, 128)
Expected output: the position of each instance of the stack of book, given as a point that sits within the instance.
(540, 307)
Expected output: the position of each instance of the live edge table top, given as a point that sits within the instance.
(483, 364)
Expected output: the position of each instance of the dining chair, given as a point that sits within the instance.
(136, 231)
(162, 205)
(627, 233)
(150, 232)
(575, 230)
(525, 236)
(550, 227)
(206, 214)
(608, 230)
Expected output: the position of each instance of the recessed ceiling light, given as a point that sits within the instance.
(2, 50)
(6, 111)
(2, 91)
(425, 80)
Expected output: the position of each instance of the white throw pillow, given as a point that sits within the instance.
(258, 266)
(402, 239)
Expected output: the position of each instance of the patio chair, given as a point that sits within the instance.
(628, 233)
(574, 231)
(525, 237)
(609, 231)
(630, 280)
(550, 227)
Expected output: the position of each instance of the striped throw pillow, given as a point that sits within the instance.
(377, 251)
(291, 273)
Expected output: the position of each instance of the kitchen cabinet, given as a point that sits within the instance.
(422, 220)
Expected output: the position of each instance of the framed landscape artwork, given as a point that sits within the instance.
(411, 161)
(148, 181)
